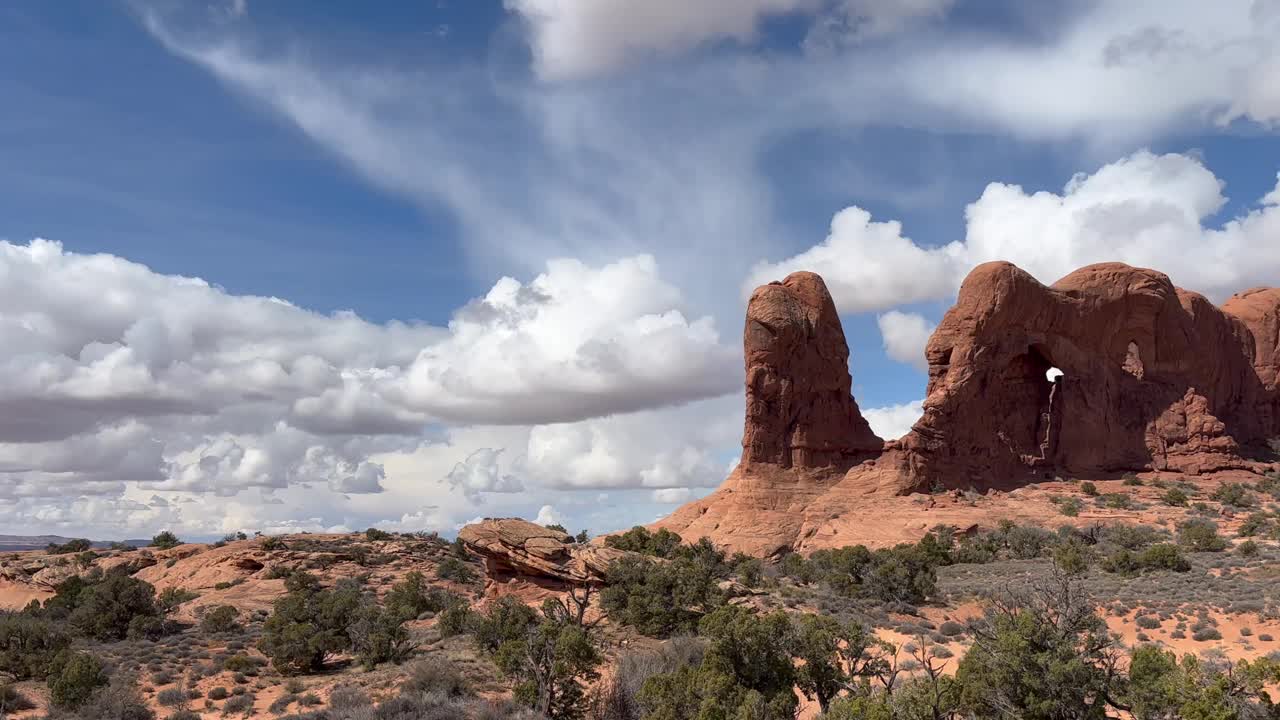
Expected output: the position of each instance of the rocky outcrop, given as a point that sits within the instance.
(800, 411)
(1110, 369)
(518, 548)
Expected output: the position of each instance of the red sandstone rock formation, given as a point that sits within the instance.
(800, 412)
(513, 548)
(1153, 378)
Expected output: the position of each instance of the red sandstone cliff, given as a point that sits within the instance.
(1153, 378)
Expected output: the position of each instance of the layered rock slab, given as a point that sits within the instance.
(515, 548)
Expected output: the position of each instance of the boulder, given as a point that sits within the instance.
(515, 547)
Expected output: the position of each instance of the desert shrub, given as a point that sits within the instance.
(309, 624)
(79, 676)
(1131, 480)
(105, 609)
(1233, 494)
(1256, 524)
(238, 704)
(455, 570)
(661, 544)
(1163, 556)
(293, 686)
(1200, 535)
(1147, 622)
(310, 700)
(1070, 507)
(750, 570)
(435, 675)
(374, 534)
(1246, 631)
(1248, 548)
(1026, 542)
(163, 677)
(118, 700)
(378, 635)
(1205, 634)
(746, 671)
(281, 704)
(1122, 562)
(184, 715)
(149, 627)
(220, 619)
(172, 697)
(346, 697)
(218, 693)
(165, 540)
(1089, 488)
(12, 701)
(239, 663)
(28, 645)
(1117, 501)
(170, 598)
(1174, 497)
(950, 628)
(272, 543)
(662, 598)
(455, 620)
(78, 545)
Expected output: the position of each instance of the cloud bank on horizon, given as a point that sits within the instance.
(616, 194)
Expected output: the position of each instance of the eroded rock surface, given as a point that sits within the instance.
(1145, 376)
(512, 547)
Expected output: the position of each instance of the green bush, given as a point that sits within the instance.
(77, 545)
(455, 570)
(1200, 535)
(218, 693)
(1233, 494)
(12, 701)
(374, 534)
(105, 610)
(1089, 488)
(165, 540)
(309, 624)
(170, 598)
(661, 544)
(220, 619)
(1174, 497)
(79, 676)
(28, 646)
(1248, 548)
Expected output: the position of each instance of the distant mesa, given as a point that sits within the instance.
(1109, 370)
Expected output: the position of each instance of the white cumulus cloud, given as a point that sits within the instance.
(905, 336)
(894, 421)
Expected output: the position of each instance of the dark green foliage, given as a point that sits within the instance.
(1233, 494)
(1255, 524)
(411, 597)
(218, 693)
(119, 700)
(662, 598)
(309, 624)
(455, 620)
(273, 543)
(1089, 488)
(77, 545)
(1044, 656)
(79, 675)
(638, 539)
(456, 570)
(835, 656)
(105, 610)
(1162, 556)
(1117, 501)
(1132, 480)
(1200, 535)
(1248, 548)
(435, 675)
(746, 672)
(220, 619)
(12, 701)
(1174, 497)
(557, 527)
(170, 598)
(165, 540)
(547, 656)
(375, 535)
(28, 645)
(378, 635)
(1070, 506)
(172, 697)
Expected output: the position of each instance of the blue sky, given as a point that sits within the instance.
(630, 170)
